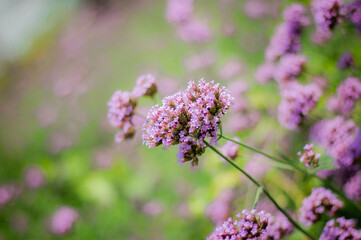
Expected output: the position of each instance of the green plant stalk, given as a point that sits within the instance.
(264, 191)
(258, 193)
(338, 192)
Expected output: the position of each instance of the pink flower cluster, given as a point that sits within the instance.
(352, 187)
(289, 67)
(279, 228)
(230, 149)
(297, 101)
(187, 118)
(121, 106)
(308, 156)
(8, 192)
(249, 225)
(340, 137)
(341, 228)
(179, 13)
(347, 94)
(353, 11)
(321, 201)
(62, 220)
(219, 209)
(287, 36)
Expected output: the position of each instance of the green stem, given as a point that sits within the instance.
(258, 193)
(264, 190)
(338, 192)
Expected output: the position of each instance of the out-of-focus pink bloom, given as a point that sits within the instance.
(228, 29)
(308, 156)
(348, 93)
(218, 210)
(289, 67)
(183, 210)
(145, 86)
(297, 101)
(256, 167)
(230, 69)
(320, 81)
(168, 86)
(279, 227)
(259, 8)
(34, 178)
(47, 115)
(63, 220)
(319, 37)
(199, 61)
(346, 61)
(352, 187)
(58, 142)
(179, 11)
(194, 31)
(264, 72)
(242, 121)
(327, 13)
(230, 149)
(127, 132)
(353, 12)
(103, 158)
(238, 88)
(8, 192)
(153, 208)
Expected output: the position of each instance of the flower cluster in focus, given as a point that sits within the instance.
(308, 156)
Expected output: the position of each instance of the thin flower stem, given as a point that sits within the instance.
(338, 192)
(264, 190)
(258, 193)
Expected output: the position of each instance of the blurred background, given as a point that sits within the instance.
(60, 62)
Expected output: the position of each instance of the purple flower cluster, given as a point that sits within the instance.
(187, 118)
(121, 106)
(218, 210)
(309, 157)
(34, 178)
(353, 11)
(286, 38)
(347, 94)
(352, 187)
(264, 72)
(341, 228)
(340, 137)
(346, 61)
(321, 201)
(279, 228)
(8, 192)
(327, 15)
(230, 149)
(62, 220)
(249, 225)
(289, 67)
(179, 11)
(194, 31)
(297, 101)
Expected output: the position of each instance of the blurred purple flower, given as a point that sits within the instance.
(321, 201)
(251, 225)
(347, 94)
(219, 209)
(340, 228)
(352, 187)
(153, 208)
(179, 11)
(231, 69)
(8, 192)
(327, 13)
(340, 137)
(34, 178)
(230, 149)
(279, 228)
(145, 86)
(297, 101)
(264, 73)
(194, 31)
(353, 12)
(346, 61)
(289, 67)
(63, 220)
(200, 61)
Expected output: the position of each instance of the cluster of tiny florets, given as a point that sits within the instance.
(187, 118)
(248, 225)
(309, 157)
(327, 13)
(122, 105)
(289, 67)
(353, 13)
(341, 228)
(352, 187)
(340, 137)
(279, 228)
(230, 149)
(321, 201)
(347, 94)
(297, 101)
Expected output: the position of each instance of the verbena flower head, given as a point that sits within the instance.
(346, 61)
(341, 228)
(194, 31)
(34, 178)
(179, 11)
(297, 101)
(230, 149)
(352, 187)
(62, 220)
(321, 201)
(287, 36)
(248, 225)
(348, 93)
(264, 73)
(353, 12)
(327, 13)
(8, 192)
(145, 86)
(289, 67)
(219, 209)
(279, 228)
(340, 137)
(309, 156)
(187, 118)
